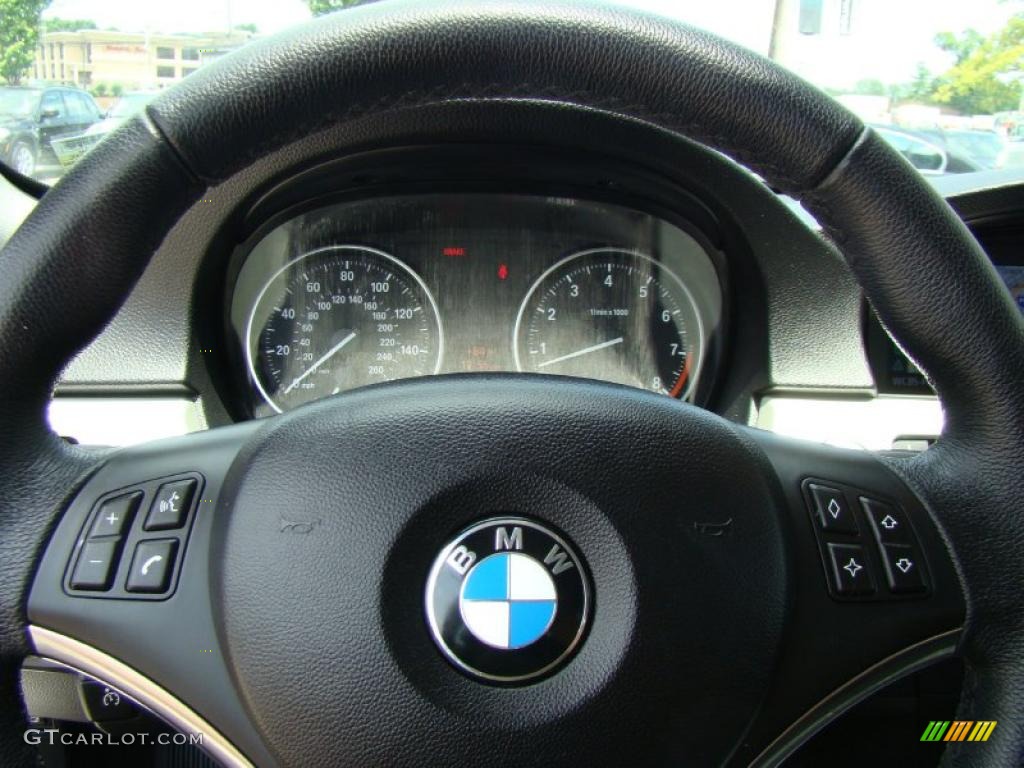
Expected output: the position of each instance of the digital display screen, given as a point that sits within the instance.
(1014, 279)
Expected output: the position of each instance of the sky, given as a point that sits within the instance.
(182, 15)
(888, 38)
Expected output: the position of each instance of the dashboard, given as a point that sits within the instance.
(342, 263)
(373, 290)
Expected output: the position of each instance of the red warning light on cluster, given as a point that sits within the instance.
(453, 251)
(502, 271)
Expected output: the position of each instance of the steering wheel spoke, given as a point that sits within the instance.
(123, 590)
(875, 591)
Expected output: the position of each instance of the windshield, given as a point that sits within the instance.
(941, 80)
(18, 102)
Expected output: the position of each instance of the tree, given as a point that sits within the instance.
(961, 47)
(321, 7)
(870, 87)
(922, 87)
(67, 25)
(920, 90)
(984, 78)
(251, 28)
(19, 36)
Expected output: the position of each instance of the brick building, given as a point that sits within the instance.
(136, 61)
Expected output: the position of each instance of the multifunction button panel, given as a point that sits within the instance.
(867, 544)
(133, 540)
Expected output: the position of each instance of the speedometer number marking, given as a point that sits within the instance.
(341, 317)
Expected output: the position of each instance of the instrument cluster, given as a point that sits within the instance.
(378, 289)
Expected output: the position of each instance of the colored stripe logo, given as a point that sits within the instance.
(958, 730)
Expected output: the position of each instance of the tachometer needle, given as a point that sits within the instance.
(327, 356)
(584, 351)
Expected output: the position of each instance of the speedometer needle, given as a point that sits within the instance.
(584, 351)
(327, 356)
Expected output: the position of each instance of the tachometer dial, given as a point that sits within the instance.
(340, 317)
(614, 315)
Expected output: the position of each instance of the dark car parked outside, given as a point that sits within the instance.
(927, 150)
(32, 117)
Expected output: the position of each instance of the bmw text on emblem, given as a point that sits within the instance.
(507, 600)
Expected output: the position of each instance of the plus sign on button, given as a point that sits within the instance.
(115, 515)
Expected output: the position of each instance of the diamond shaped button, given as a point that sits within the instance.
(833, 513)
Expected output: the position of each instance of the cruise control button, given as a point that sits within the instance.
(833, 513)
(95, 567)
(116, 514)
(152, 565)
(888, 523)
(170, 506)
(850, 572)
(902, 568)
(104, 704)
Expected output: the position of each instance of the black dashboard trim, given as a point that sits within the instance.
(794, 327)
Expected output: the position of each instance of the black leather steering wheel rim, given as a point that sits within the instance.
(89, 239)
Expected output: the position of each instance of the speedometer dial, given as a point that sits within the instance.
(340, 317)
(614, 315)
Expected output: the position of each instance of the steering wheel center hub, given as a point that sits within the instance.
(508, 600)
(511, 554)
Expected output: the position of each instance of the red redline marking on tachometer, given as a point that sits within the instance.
(678, 388)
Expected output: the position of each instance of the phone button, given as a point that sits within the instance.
(152, 565)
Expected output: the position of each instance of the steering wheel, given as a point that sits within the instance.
(295, 633)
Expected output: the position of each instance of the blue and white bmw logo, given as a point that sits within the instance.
(507, 600)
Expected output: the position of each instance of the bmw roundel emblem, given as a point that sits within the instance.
(507, 600)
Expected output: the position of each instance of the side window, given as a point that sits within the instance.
(924, 156)
(82, 109)
(74, 107)
(899, 142)
(52, 101)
